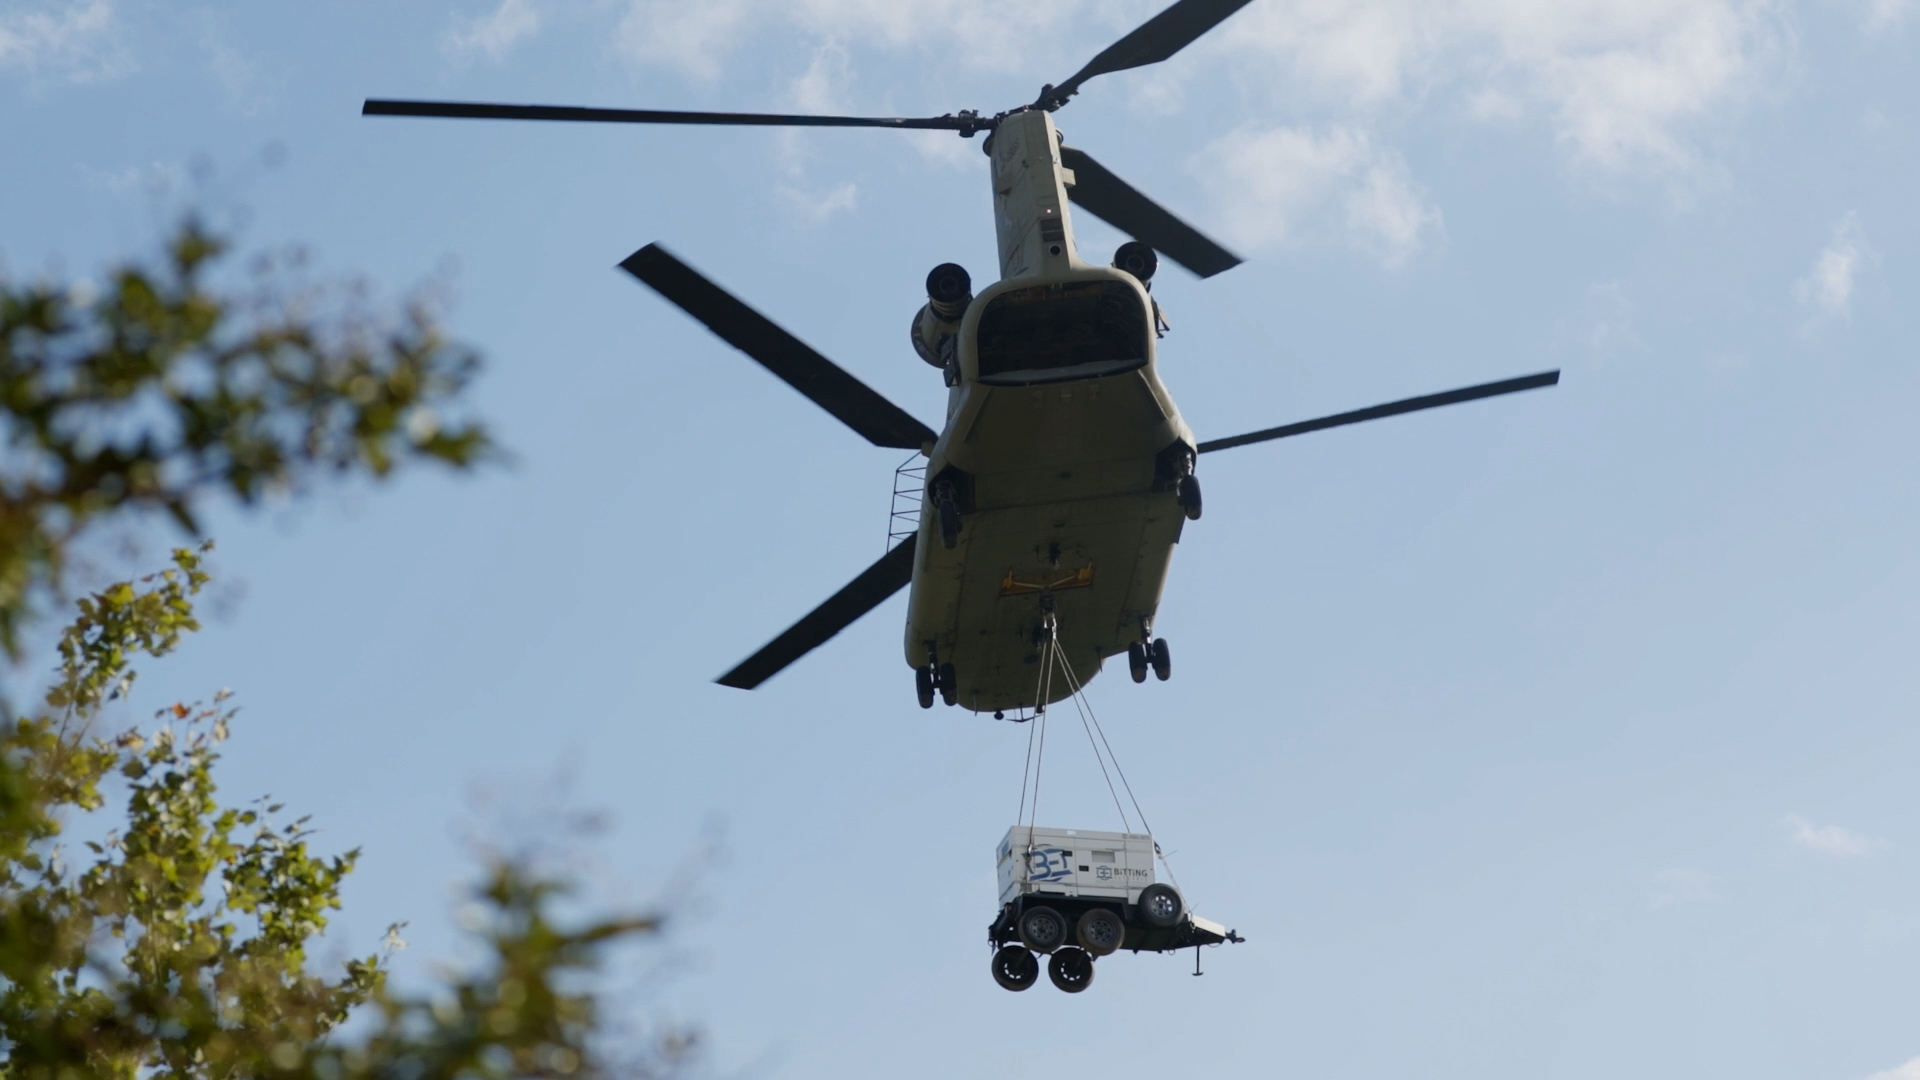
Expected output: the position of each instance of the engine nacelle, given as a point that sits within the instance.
(1137, 259)
(936, 326)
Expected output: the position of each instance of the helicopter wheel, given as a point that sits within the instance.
(1189, 496)
(923, 685)
(1162, 660)
(1137, 661)
(948, 684)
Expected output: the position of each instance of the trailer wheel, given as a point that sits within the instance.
(1160, 906)
(1100, 931)
(1014, 968)
(1042, 929)
(1071, 970)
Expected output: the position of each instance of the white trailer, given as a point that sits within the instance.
(1079, 894)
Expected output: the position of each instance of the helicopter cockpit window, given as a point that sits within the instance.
(1051, 333)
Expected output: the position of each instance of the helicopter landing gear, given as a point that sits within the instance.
(936, 676)
(948, 510)
(1189, 496)
(1152, 652)
(1174, 467)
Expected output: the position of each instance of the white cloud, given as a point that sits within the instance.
(694, 36)
(1909, 1071)
(821, 88)
(1831, 840)
(157, 180)
(946, 148)
(1610, 324)
(690, 35)
(248, 89)
(1680, 886)
(1635, 89)
(1627, 85)
(76, 42)
(494, 34)
(822, 203)
(1882, 16)
(1828, 286)
(1281, 185)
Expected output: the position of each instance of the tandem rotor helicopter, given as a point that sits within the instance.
(1063, 476)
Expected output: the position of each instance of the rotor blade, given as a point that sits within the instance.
(1392, 408)
(864, 593)
(473, 110)
(1115, 202)
(855, 403)
(1153, 41)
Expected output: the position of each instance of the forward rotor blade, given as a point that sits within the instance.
(1153, 41)
(855, 403)
(473, 110)
(1117, 203)
(877, 582)
(1392, 408)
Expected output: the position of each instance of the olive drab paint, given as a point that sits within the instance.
(1060, 472)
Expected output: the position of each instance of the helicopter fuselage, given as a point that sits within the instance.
(1062, 450)
(1059, 484)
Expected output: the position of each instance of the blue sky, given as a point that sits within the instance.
(1566, 735)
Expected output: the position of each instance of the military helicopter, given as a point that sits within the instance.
(1063, 475)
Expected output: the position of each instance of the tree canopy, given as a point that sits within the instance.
(168, 385)
(178, 944)
(148, 927)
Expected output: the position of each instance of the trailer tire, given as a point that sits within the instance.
(1014, 968)
(1100, 931)
(1071, 969)
(1042, 929)
(1160, 906)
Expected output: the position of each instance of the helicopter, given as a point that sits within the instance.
(1064, 475)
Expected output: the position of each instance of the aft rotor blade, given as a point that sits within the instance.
(1117, 203)
(855, 403)
(475, 110)
(877, 582)
(1392, 408)
(1153, 41)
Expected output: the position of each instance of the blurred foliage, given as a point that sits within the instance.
(147, 929)
(169, 386)
(178, 945)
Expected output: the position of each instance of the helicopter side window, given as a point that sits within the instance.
(1052, 333)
